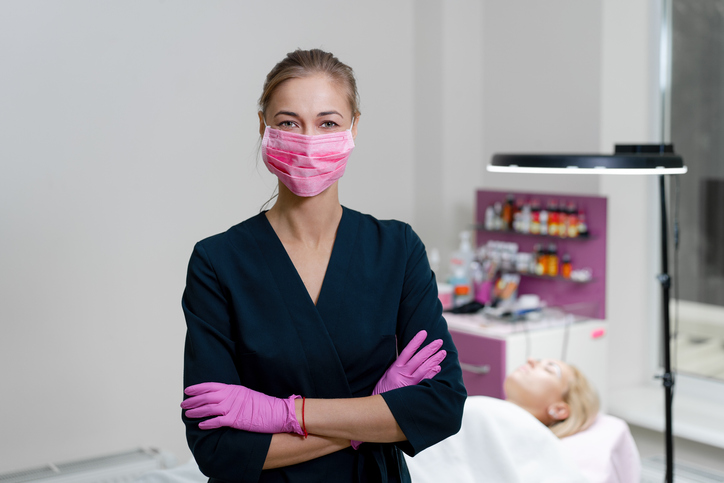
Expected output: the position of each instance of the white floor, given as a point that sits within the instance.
(651, 446)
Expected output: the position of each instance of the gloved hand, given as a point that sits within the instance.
(410, 368)
(241, 408)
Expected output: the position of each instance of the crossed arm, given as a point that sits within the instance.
(328, 425)
(331, 424)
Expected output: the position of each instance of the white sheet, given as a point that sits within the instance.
(498, 442)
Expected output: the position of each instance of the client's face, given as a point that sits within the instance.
(538, 387)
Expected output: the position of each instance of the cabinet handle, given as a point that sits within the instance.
(475, 369)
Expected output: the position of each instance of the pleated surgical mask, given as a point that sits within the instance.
(307, 165)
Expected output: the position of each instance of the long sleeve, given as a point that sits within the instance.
(210, 355)
(432, 410)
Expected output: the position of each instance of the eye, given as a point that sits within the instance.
(287, 124)
(553, 368)
(329, 124)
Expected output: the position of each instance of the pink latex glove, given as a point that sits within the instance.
(241, 408)
(410, 368)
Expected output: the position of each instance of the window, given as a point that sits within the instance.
(697, 132)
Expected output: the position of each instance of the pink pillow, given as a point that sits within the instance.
(605, 452)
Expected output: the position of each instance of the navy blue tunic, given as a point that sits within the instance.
(251, 321)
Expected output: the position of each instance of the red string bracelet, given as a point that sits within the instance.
(304, 426)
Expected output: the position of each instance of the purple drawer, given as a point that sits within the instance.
(483, 363)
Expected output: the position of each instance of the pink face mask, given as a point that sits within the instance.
(307, 165)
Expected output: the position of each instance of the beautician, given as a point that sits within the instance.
(295, 317)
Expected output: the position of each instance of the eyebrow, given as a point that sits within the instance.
(327, 113)
(286, 113)
(294, 114)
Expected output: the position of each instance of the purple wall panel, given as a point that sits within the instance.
(585, 299)
(481, 351)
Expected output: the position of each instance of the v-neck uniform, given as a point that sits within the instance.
(340, 255)
(251, 321)
(308, 318)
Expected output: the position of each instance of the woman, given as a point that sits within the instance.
(313, 299)
(505, 440)
(556, 393)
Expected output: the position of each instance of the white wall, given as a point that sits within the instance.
(499, 77)
(630, 113)
(542, 86)
(128, 131)
(448, 123)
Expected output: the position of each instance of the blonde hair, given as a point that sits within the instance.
(583, 404)
(304, 63)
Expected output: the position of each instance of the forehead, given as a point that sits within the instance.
(311, 92)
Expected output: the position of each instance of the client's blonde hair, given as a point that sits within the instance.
(583, 402)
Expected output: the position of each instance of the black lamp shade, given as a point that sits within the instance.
(628, 159)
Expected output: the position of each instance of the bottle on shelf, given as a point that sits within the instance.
(461, 284)
(523, 262)
(490, 218)
(562, 219)
(461, 265)
(498, 216)
(544, 214)
(572, 224)
(507, 215)
(552, 261)
(540, 260)
(517, 214)
(525, 218)
(553, 218)
(535, 217)
(566, 267)
(582, 225)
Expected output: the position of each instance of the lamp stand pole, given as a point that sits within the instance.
(667, 378)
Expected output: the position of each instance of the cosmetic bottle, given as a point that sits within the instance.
(535, 217)
(508, 209)
(562, 220)
(460, 265)
(540, 260)
(498, 218)
(553, 217)
(517, 214)
(552, 261)
(582, 225)
(572, 224)
(525, 218)
(566, 267)
(461, 284)
(544, 214)
(489, 218)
